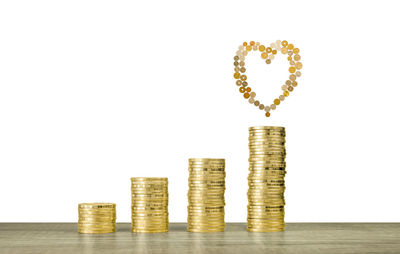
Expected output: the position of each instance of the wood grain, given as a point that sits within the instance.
(298, 238)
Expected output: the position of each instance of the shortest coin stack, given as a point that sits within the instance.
(149, 204)
(206, 209)
(96, 218)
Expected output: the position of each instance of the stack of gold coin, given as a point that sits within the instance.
(265, 210)
(96, 218)
(206, 209)
(149, 204)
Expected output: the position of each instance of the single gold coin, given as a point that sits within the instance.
(97, 205)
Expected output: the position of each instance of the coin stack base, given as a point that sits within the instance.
(96, 218)
(149, 204)
(206, 209)
(265, 210)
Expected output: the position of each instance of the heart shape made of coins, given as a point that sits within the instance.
(268, 54)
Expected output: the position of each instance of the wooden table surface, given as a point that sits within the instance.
(298, 238)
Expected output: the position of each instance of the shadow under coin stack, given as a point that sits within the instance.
(206, 209)
(149, 204)
(265, 210)
(96, 218)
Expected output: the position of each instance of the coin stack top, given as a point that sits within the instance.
(265, 210)
(149, 204)
(206, 209)
(96, 218)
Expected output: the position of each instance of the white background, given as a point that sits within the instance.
(95, 92)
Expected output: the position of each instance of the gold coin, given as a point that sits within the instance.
(266, 128)
(207, 175)
(268, 158)
(220, 160)
(267, 135)
(266, 207)
(279, 218)
(207, 202)
(149, 187)
(273, 223)
(202, 230)
(151, 222)
(136, 189)
(205, 218)
(155, 227)
(211, 168)
(196, 206)
(199, 198)
(255, 142)
(149, 179)
(205, 190)
(96, 219)
(96, 205)
(206, 209)
(274, 140)
(265, 225)
(150, 196)
(147, 200)
(219, 224)
(260, 165)
(268, 179)
(207, 226)
(149, 208)
(149, 231)
(97, 224)
(264, 152)
(267, 172)
(217, 203)
(96, 214)
(150, 214)
(282, 132)
(215, 182)
(266, 195)
(263, 148)
(269, 212)
(205, 214)
(89, 231)
(209, 187)
(149, 227)
(139, 222)
(98, 210)
(263, 230)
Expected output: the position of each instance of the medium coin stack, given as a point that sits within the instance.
(149, 204)
(96, 218)
(206, 209)
(265, 210)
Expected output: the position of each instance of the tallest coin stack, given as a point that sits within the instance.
(265, 210)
